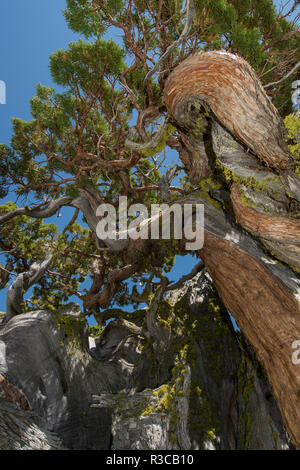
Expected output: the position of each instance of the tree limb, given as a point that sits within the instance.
(5, 273)
(190, 15)
(283, 78)
(177, 285)
(72, 220)
(152, 143)
(37, 212)
(24, 281)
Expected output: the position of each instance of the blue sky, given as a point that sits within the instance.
(30, 31)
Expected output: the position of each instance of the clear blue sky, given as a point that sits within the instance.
(30, 31)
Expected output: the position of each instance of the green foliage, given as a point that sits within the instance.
(86, 64)
(82, 19)
(161, 145)
(292, 125)
(73, 135)
(95, 330)
(29, 236)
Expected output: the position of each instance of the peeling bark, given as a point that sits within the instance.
(250, 153)
(283, 231)
(268, 314)
(227, 86)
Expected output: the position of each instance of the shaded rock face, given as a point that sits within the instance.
(190, 383)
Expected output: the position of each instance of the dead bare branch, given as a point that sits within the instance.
(15, 294)
(37, 212)
(285, 77)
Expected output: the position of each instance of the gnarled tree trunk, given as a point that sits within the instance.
(228, 123)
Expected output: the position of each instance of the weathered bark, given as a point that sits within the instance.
(45, 360)
(261, 298)
(175, 376)
(20, 428)
(39, 212)
(208, 391)
(15, 293)
(226, 85)
(23, 430)
(281, 234)
(267, 313)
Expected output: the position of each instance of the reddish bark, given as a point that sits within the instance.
(12, 394)
(267, 313)
(264, 225)
(229, 87)
(280, 234)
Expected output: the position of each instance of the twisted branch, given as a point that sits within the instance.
(37, 212)
(15, 294)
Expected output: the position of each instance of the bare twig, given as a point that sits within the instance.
(285, 77)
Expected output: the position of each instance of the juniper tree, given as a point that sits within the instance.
(108, 133)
